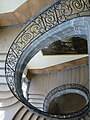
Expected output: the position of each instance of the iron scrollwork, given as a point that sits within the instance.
(58, 92)
(55, 15)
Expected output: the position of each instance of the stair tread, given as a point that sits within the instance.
(24, 114)
(2, 72)
(2, 57)
(2, 60)
(2, 68)
(36, 101)
(10, 111)
(4, 87)
(2, 64)
(35, 96)
(3, 79)
(40, 118)
(19, 113)
(33, 117)
(8, 102)
(27, 115)
(5, 95)
(37, 105)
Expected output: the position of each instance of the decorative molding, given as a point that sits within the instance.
(66, 65)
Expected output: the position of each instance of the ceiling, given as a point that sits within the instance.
(10, 5)
(14, 12)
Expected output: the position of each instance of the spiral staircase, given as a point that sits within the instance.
(10, 105)
(61, 20)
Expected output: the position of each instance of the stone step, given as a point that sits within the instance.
(3, 79)
(36, 96)
(40, 118)
(36, 100)
(8, 102)
(2, 72)
(26, 115)
(2, 68)
(37, 105)
(3, 56)
(20, 117)
(5, 95)
(4, 87)
(2, 64)
(2, 60)
(19, 113)
(3, 53)
(8, 112)
(33, 117)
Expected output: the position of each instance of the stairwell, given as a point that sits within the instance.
(44, 80)
(10, 107)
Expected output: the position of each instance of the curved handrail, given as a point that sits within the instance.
(57, 14)
(65, 89)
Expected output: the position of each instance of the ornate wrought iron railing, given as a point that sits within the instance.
(65, 89)
(57, 14)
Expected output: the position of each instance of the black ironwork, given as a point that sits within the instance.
(55, 15)
(58, 92)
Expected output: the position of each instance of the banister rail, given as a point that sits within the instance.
(57, 14)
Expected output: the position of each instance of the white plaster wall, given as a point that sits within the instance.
(10, 5)
(40, 61)
(7, 36)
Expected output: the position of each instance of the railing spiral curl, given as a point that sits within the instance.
(57, 14)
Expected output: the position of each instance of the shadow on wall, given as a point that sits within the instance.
(75, 45)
